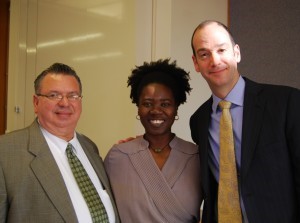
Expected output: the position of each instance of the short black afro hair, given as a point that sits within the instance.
(163, 72)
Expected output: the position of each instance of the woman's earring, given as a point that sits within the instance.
(176, 117)
(138, 117)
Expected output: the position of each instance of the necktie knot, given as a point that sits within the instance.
(224, 104)
(69, 150)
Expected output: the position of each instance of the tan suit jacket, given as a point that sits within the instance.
(31, 186)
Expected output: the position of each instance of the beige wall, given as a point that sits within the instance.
(103, 40)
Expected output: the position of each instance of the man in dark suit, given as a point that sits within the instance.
(266, 126)
(36, 180)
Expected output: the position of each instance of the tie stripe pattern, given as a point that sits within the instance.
(229, 209)
(87, 188)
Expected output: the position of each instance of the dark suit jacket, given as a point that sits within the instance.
(270, 163)
(31, 186)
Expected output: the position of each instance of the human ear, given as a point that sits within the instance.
(237, 53)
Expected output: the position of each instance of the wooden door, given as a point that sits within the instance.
(4, 24)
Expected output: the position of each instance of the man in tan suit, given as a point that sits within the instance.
(36, 181)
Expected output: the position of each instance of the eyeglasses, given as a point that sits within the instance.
(59, 97)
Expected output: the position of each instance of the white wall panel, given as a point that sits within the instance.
(103, 40)
(96, 38)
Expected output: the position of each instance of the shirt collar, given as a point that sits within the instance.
(61, 144)
(235, 96)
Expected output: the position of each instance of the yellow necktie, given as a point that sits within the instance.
(229, 210)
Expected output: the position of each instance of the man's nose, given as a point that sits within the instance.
(215, 59)
(64, 100)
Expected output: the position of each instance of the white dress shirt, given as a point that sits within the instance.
(58, 149)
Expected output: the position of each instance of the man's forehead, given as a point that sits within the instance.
(215, 35)
(211, 29)
(204, 46)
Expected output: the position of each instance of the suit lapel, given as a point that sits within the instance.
(94, 157)
(252, 122)
(203, 123)
(48, 174)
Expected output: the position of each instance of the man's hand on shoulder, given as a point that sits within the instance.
(127, 139)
